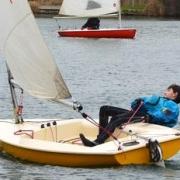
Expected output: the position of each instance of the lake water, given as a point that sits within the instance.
(99, 72)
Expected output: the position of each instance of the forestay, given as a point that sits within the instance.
(27, 56)
(89, 8)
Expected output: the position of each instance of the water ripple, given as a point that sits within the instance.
(98, 72)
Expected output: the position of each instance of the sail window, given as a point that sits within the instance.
(93, 5)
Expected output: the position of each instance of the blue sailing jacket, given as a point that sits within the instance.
(161, 110)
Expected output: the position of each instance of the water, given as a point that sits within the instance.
(98, 72)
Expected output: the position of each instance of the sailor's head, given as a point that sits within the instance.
(173, 92)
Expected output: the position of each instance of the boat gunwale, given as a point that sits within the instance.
(24, 141)
(96, 30)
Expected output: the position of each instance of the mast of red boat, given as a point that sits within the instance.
(119, 13)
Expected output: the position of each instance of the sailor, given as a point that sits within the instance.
(161, 110)
(92, 23)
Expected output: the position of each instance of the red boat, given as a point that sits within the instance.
(127, 33)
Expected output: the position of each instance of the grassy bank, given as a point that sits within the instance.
(145, 8)
(149, 8)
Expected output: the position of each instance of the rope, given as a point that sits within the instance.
(91, 120)
(135, 112)
(52, 134)
(131, 117)
(19, 109)
(19, 132)
(56, 134)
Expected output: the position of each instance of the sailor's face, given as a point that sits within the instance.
(170, 94)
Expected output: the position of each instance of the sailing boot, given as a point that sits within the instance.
(87, 142)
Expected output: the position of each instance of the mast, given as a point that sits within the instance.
(17, 108)
(119, 14)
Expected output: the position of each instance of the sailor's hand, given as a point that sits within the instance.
(138, 101)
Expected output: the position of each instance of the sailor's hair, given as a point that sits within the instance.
(176, 89)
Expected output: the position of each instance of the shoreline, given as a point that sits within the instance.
(46, 11)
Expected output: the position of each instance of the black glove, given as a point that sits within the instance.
(135, 104)
(138, 101)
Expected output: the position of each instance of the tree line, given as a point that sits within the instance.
(131, 7)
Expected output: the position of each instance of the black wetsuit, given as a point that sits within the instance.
(118, 116)
(92, 23)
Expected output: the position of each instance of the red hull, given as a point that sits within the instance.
(100, 33)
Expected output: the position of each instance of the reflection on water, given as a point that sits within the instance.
(98, 72)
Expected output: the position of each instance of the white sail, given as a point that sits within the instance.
(27, 56)
(89, 8)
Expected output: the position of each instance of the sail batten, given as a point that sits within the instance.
(89, 8)
(27, 55)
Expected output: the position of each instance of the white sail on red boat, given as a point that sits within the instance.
(31, 68)
(94, 8)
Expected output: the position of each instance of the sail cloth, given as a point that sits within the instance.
(89, 8)
(27, 56)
